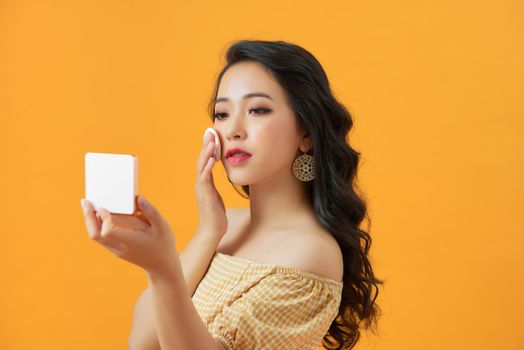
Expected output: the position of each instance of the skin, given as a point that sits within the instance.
(277, 198)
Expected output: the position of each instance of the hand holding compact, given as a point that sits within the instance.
(147, 241)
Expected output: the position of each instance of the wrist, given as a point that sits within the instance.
(209, 232)
(167, 270)
(208, 237)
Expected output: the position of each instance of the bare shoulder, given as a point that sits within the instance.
(310, 248)
(317, 251)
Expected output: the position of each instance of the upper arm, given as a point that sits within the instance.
(143, 333)
(330, 261)
(280, 311)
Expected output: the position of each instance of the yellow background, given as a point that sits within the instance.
(435, 89)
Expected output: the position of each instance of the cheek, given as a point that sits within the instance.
(276, 141)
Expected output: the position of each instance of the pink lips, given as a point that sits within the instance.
(237, 159)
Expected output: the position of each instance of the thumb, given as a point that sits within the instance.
(151, 213)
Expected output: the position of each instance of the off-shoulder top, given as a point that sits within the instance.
(250, 305)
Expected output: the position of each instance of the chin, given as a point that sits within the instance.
(240, 183)
(240, 180)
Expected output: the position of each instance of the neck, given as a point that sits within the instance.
(278, 202)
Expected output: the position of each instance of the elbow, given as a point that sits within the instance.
(133, 343)
(138, 341)
(137, 345)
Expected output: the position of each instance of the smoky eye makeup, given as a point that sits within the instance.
(254, 110)
(260, 110)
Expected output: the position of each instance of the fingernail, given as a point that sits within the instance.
(85, 205)
(142, 201)
(82, 204)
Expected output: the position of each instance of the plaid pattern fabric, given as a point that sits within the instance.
(249, 305)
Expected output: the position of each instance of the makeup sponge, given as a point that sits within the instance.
(218, 150)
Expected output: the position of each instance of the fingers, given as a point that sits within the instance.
(107, 222)
(99, 220)
(108, 232)
(206, 173)
(208, 137)
(94, 224)
(204, 159)
(153, 215)
(215, 147)
(91, 220)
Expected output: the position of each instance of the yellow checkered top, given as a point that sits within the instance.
(249, 305)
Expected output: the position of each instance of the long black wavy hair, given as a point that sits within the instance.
(333, 191)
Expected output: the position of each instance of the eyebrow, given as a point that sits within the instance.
(253, 94)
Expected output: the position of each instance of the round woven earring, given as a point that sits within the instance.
(304, 167)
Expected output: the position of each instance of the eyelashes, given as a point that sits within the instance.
(221, 116)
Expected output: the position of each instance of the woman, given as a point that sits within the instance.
(292, 269)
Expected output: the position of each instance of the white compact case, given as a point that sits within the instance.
(111, 181)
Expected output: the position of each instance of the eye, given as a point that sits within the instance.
(262, 110)
(221, 116)
(218, 115)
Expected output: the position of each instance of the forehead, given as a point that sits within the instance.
(246, 77)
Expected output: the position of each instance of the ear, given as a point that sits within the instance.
(306, 144)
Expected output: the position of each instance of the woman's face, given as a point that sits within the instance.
(265, 127)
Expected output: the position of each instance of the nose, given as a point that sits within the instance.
(235, 127)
